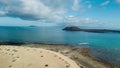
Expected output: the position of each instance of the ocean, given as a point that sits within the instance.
(105, 46)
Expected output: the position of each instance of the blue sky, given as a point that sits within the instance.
(55, 12)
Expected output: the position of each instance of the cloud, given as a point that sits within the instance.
(118, 1)
(45, 10)
(89, 6)
(41, 10)
(76, 5)
(88, 22)
(32, 9)
(105, 3)
(73, 19)
(81, 6)
(2, 13)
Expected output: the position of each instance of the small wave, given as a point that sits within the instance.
(83, 43)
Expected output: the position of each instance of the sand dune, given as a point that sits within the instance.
(26, 57)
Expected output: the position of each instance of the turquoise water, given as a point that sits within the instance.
(104, 45)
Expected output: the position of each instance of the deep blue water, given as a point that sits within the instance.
(103, 45)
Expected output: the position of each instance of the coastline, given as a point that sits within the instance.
(28, 57)
(81, 55)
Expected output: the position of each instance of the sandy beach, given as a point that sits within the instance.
(46, 56)
(26, 57)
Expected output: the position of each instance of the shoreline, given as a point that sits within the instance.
(22, 43)
(81, 55)
(84, 52)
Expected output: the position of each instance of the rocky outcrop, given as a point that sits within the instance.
(74, 28)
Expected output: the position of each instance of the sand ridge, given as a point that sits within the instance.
(26, 57)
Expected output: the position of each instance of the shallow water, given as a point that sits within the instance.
(103, 45)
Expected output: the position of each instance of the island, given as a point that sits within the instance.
(32, 26)
(75, 28)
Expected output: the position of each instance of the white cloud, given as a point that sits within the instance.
(45, 10)
(41, 10)
(90, 6)
(32, 9)
(105, 3)
(118, 1)
(73, 19)
(2, 13)
(35, 7)
(76, 5)
(89, 22)
(82, 6)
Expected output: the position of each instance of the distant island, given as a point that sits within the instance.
(75, 28)
(32, 26)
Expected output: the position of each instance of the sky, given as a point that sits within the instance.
(97, 13)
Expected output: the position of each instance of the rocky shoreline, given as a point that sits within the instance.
(82, 55)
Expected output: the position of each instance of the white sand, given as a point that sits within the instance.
(26, 57)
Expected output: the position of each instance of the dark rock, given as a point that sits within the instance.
(72, 28)
(85, 51)
(32, 26)
(75, 28)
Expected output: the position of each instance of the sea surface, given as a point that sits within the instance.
(105, 46)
